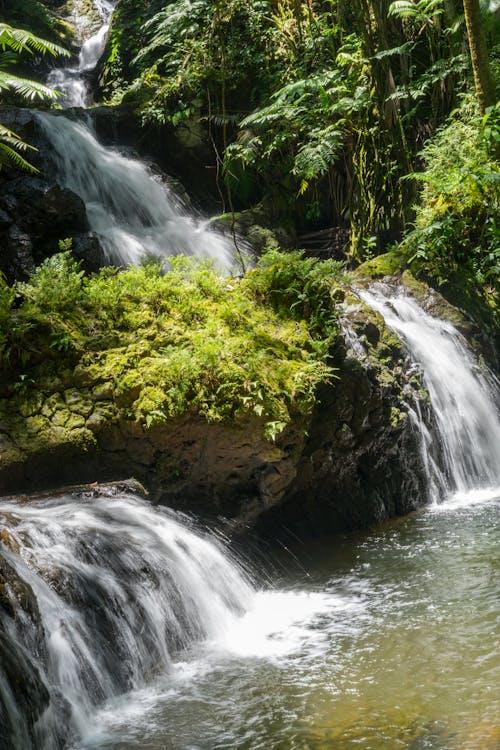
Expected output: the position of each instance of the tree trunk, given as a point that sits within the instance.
(485, 89)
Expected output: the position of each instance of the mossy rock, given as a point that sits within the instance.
(388, 264)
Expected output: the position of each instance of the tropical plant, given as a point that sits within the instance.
(456, 239)
(14, 42)
(186, 341)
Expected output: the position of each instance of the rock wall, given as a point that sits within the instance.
(35, 212)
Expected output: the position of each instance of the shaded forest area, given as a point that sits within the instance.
(350, 126)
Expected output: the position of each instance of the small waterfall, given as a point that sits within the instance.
(131, 211)
(464, 398)
(102, 594)
(71, 83)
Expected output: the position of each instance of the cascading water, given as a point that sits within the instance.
(70, 82)
(464, 398)
(133, 213)
(113, 590)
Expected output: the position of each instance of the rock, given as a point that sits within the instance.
(353, 462)
(23, 691)
(36, 213)
(253, 226)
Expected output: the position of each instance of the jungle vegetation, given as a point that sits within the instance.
(373, 123)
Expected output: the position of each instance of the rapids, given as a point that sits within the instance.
(136, 629)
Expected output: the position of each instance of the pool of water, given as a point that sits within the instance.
(388, 638)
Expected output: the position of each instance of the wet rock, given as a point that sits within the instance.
(36, 213)
(23, 695)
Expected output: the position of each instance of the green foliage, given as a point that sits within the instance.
(11, 150)
(14, 42)
(184, 341)
(456, 239)
(22, 40)
(296, 129)
(40, 17)
(184, 57)
(298, 287)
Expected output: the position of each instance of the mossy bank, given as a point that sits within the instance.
(213, 391)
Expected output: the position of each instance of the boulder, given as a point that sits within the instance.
(353, 461)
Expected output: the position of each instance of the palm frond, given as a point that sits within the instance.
(26, 88)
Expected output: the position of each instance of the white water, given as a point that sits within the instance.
(134, 214)
(71, 83)
(122, 590)
(465, 399)
(124, 593)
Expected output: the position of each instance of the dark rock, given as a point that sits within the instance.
(355, 461)
(36, 213)
(23, 696)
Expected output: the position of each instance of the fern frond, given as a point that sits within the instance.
(21, 40)
(28, 89)
(316, 157)
(10, 145)
(403, 49)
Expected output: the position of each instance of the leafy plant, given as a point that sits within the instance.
(456, 239)
(184, 341)
(14, 42)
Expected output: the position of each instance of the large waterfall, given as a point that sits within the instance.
(133, 213)
(464, 398)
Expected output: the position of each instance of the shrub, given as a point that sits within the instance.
(184, 341)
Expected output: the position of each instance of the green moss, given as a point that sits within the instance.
(185, 342)
(388, 264)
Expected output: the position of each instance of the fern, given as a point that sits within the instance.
(21, 40)
(321, 150)
(27, 89)
(13, 42)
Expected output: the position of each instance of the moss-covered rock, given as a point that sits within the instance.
(388, 264)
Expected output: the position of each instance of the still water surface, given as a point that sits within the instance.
(383, 639)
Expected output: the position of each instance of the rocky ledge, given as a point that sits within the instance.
(354, 461)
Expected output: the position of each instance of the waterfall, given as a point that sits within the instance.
(133, 213)
(71, 82)
(104, 592)
(464, 397)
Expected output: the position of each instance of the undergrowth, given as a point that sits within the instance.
(186, 341)
(456, 239)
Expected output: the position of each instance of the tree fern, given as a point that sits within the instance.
(21, 40)
(13, 42)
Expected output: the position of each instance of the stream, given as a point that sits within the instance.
(147, 632)
(138, 629)
(384, 639)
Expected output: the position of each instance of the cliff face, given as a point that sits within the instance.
(353, 461)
